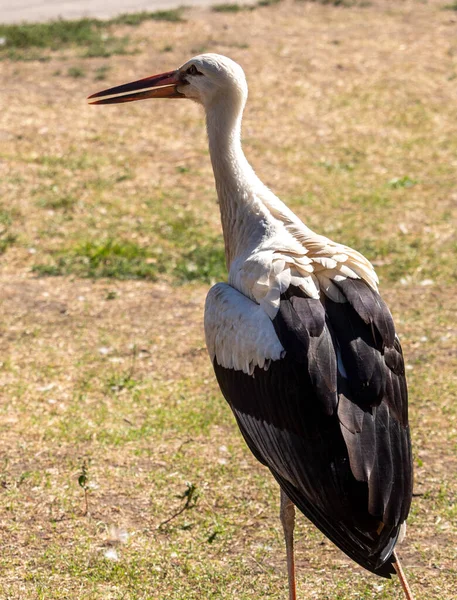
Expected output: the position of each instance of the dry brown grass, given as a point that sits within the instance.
(351, 120)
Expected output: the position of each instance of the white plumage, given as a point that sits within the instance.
(239, 335)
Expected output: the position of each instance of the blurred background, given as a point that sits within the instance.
(122, 472)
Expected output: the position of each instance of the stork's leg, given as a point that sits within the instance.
(287, 516)
(402, 578)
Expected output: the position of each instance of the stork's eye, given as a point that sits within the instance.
(192, 70)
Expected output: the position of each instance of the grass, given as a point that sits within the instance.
(340, 3)
(109, 239)
(101, 73)
(122, 260)
(93, 35)
(230, 8)
(235, 7)
(135, 19)
(6, 237)
(187, 259)
(75, 72)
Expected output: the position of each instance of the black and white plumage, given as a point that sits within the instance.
(303, 347)
(335, 438)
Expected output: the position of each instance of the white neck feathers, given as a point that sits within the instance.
(267, 246)
(243, 215)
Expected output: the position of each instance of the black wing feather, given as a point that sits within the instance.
(370, 307)
(336, 438)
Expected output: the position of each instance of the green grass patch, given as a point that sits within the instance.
(202, 263)
(336, 166)
(75, 72)
(101, 72)
(340, 3)
(261, 3)
(52, 35)
(345, 3)
(70, 160)
(235, 7)
(135, 19)
(111, 258)
(55, 201)
(120, 259)
(109, 46)
(6, 241)
(402, 182)
(128, 406)
(94, 35)
(7, 238)
(230, 8)
(117, 382)
(183, 252)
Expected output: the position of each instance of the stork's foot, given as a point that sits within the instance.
(287, 516)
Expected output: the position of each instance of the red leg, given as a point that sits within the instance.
(402, 578)
(287, 516)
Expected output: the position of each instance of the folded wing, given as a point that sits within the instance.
(323, 404)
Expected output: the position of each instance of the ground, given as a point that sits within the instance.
(112, 422)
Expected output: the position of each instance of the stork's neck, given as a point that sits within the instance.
(238, 187)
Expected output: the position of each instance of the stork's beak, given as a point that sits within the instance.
(164, 85)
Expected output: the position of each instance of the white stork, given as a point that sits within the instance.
(303, 346)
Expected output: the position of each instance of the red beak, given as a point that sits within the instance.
(164, 85)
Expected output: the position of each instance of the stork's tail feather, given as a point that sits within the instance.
(401, 575)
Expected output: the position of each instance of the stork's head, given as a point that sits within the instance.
(209, 79)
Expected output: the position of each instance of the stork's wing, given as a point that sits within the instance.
(325, 410)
